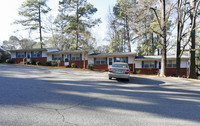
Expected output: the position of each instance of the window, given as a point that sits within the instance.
(121, 59)
(36, 54)
(56, 57)
(20, 55)
(66, 58)
(100, 61)
(110, 61)
(149, 64)
(76, 57)
(171, 64)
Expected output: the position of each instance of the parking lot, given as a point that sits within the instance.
(54, 97)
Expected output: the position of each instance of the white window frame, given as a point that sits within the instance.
(149, 64)
(57, 57)
(75, 57)
(36, 54)
(171, 64)
(121, 59)
(100, 61)
(20, 55)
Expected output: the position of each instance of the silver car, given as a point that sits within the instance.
(119, 70)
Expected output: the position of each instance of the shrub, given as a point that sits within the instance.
(67, 66)
(9, 61)
(138, 71)
(48, 63)
(73, 65)
(54, 63)
(38, 63)
(90, 66)
(33, 62)
(1, 61)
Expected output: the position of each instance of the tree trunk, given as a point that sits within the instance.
(192, 72)
(152, 44)
(178, 44)
(128, 35)
(163, 39)
(77, 23)
(40, 27)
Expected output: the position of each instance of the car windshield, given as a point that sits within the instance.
(120, 65)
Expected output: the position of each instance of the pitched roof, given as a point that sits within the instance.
(34, 49)
(111, 54)
(66, 52)
(158, 57)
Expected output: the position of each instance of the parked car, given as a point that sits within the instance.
(119, 70)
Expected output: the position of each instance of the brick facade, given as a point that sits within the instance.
(153, 71)
(62, 63)
(42, 60)
(79, 63)
(101, 66)
(131, 67)
(17, 60)
(172, 71)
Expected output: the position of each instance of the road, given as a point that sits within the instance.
(52, 97)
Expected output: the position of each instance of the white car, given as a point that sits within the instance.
(119, 70)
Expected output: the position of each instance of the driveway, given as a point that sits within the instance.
(51, 97)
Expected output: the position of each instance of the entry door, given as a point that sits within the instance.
(28, 56)
(66, 59)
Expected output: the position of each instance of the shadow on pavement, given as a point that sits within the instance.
(155, 99)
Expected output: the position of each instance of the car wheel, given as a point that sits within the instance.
(110, 78)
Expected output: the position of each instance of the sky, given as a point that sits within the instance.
(9, 13)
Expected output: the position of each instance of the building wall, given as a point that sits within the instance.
(138, 64)
(44, 53)
(49, 57)
(13, 55)
(184, 64)
(101, 66)
(79, 63)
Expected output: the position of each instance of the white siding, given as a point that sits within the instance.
(184, 64)
(131, 59)
(49, 57)
(90, 60)
(13, 55)
(44, 53)
(86, 57)
(138, 64)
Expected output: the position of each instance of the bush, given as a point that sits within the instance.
(33, 62)
(1, 61)
(73, 65)
(54, 63)
(48, 63)
(38, 63)
(9, 61)
(68, 66)
(138, 71)
(90, 66)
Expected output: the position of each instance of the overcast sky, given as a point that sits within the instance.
(9, 13)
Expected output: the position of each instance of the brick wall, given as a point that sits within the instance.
(172, 71)
(42, 60)
(62, 63)
(153, 71)
(101, 66)
(79, 63)
(131, 67)
(17, 60)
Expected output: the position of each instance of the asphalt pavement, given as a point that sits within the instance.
(53, 97)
